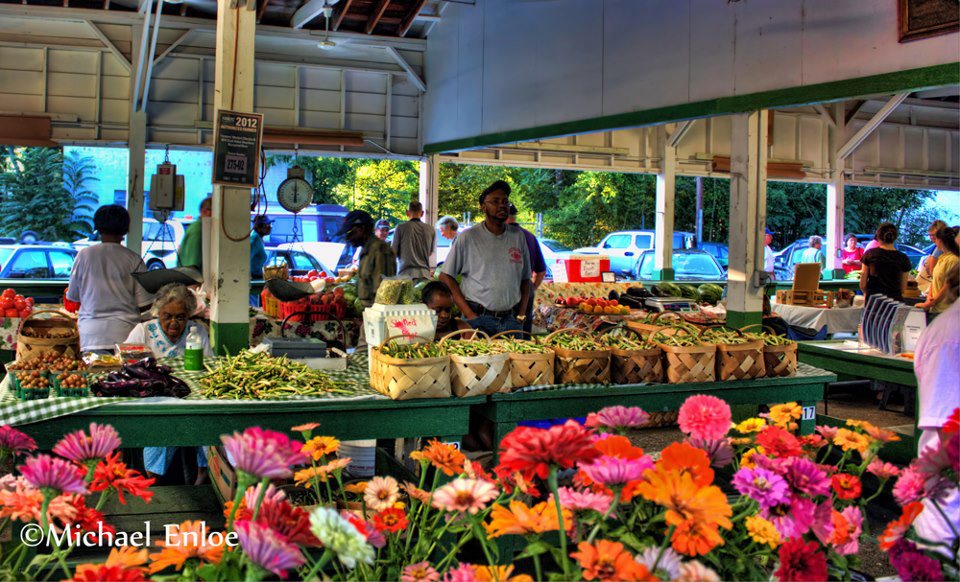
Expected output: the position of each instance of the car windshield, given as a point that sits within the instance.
(685, 265)
(555, 246)
(5, 256)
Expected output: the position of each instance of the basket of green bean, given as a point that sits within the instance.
(633, 360)
(580, 359)
(779, 353)
(531, 362)
(738, 357)
(655, 322)
(686, 358)
(414, 368)
(478, 366)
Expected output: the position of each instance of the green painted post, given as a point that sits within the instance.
(665, 274)
(229, 338)
(739, 319)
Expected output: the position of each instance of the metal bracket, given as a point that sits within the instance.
(761, 279)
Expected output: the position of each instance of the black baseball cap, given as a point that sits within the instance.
(355, 218)
(382, 223)
(261, 219)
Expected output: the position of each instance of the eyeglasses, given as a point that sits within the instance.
(444, 309)
(165, 318)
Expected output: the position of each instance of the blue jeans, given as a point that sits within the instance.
(157, 459)
(491, 325)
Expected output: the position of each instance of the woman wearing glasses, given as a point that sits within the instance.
(166, 336)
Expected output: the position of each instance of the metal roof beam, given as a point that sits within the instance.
(868, 128)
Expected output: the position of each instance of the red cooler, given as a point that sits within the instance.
(585, 268)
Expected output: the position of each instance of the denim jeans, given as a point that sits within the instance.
(157, 459)
(491, 325)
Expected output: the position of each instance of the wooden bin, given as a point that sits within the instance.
(402, 379)
(478, 375)
(689, 364)
(635, 366)
(30, 346)
(739, 361)
(580, 366)
(530, 369)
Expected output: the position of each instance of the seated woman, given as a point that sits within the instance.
(437, 297)
(166, 336)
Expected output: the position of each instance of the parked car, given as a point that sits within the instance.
(553, 252)
(688, 265)
(159, 245)
(313, 224)
(36, 262)
(298, 262)
(624, 247)
(719, 251)
(790, 255)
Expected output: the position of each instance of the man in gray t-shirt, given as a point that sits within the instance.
(415, 244)
(494, 261)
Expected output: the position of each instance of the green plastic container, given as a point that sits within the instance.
(18, 389)
(70, 392)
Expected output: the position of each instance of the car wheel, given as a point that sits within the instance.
(155, 265)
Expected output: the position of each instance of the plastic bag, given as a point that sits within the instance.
(393, 290)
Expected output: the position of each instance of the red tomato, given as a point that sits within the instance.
(6, 303)
(29, 301)
(9, 293)
(24, 313)
(11, 313)
(19, 304)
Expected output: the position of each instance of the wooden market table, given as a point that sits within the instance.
(507, 410)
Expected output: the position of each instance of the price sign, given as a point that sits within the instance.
(809, 413)
(236, 150)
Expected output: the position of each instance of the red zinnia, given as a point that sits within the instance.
(801, 561)
(87, 518)
(391, 520)
(952, 426)
(292, 523)
(779, 443)
(846, 486)
(112, 473)
(532, 451)
(104, 573)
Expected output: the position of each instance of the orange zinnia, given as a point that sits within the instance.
(608, 561)
(187, 542)
(520, 519)
(443, 456)
(685, 500)
(848, 440)
(619, 447)
(684, 458)
(695, 538)
(881, 434)
(319, 447)
(898, 527)
(498, 574)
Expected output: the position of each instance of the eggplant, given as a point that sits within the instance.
(613, 295)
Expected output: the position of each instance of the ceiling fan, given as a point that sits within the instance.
(326, 44)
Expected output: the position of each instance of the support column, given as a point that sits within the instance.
(666, 193)
(137, 144)
(835, 192)
(430, 188)
(229, 259)
(748, 194)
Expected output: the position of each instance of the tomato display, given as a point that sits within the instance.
(12, 304)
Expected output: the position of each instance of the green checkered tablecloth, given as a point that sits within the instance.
(15, 412)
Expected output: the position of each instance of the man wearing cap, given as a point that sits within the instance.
(376, 258)
(382, 229)
(494, 261)
(768, 255)
(258, 254)
(415, 244)
(536, 262)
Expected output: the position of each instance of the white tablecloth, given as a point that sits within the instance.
(837, 320)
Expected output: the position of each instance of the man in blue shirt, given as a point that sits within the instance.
(258, 254)
(536, 262)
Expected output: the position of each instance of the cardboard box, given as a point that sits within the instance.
(223, 476)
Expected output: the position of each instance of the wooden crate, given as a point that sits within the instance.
(818, 298)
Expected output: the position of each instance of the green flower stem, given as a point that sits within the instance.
(483, 543)
(343, 493)
(537, 568)
(263, 491)
(466, 537)
(104, 495)
(663, 547)
(554, 488)
(243, 481)
(613, 503)
(324, 559)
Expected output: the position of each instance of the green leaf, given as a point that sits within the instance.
(535, 548)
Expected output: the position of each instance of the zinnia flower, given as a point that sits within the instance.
(882, 470)
(414, 492)
(419, 572)
(783, 415)
(801, 561)
(584, 500)
(849, 440)
(792, 519)
(952, 426)
(311, 475)
(81, 448)
(898, 527)
(465, 495)
(319, 447)
(913, 565)
(719, 451)
(392, 520)
(444, 457)
(763, 486)
(762, 531)
(751, 425)
(695, 538)
(846, 486)
(614, 471)
(779, 443)
(14, 442)
(520, 519)
(686, 458)
(881, 434)
(806, 477)
(188, 540)
(909, 487)
(123, 564)
(607, 560)
(266, 549)
(44, 471)
(668, 568)
(847, 527)
(462, 573)
(498, 574)
(533, 451)
(112, 473)
(381, 493)
(263, 453)
(695, 571)
(306, 427)
(341, 537)
(704, 417)
(618, 418)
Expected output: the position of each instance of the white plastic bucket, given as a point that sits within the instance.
(363, 457)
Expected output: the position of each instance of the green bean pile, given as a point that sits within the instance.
(523, 347)
(621, 342)
(676, 340)
(724, 336)
(576, 342)
(770, 339)
(473, 348)
(412, 351)
(258, 376)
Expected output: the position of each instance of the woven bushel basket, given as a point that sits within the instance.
(740, 361)
(780, 360)
(582, 366)
(529, 369)
(689, 363)
(661, 321)
(663, 418)
(478, 375)
(29, 346)
(404, 379)
(636, 366)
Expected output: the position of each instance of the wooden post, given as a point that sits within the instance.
(666, 192)
(835, 192)
(229, 259)
(137, 144)
(748, 193)
(430, 188)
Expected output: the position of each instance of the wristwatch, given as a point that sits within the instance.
(521, 318)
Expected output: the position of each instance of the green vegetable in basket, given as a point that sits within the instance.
(576, 342)
(523, 347)
(724, 336)
(676, 340)
(258, 376)
(412, 351)
(473, 348)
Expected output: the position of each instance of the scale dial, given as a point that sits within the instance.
(295, 194)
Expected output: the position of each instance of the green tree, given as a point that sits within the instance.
(33, 195)
(77, 176)
(383, 188)
(324, 173)
(866, 207)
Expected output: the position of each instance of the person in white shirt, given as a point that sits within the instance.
(102, 282)
(768, 255)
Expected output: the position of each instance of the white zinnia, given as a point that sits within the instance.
(340, 536)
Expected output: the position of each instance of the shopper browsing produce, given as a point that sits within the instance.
(262, 226)
(437, 297)
(376, 258)
(190, 253)
(495, 264)
(415, 244)
(939, 297)
(884, 267)
(102, 283)
(537, 263)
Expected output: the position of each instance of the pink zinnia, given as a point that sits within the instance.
(46, 472)
(827, 432)
(704, 417)
(263, 453)
(267, 549)
(854, 518)
(792, 520)
(15, 442)
(419, 572)
(462, 573)
(465, 495)
(616, 471)
(618, 417)
(882, 470)
(806, 477)
(81, 448)
(585, 500)
(909, 487)
(763, 486)
(719, 450)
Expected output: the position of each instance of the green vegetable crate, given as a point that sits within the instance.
(71, 392)
(29, 393)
